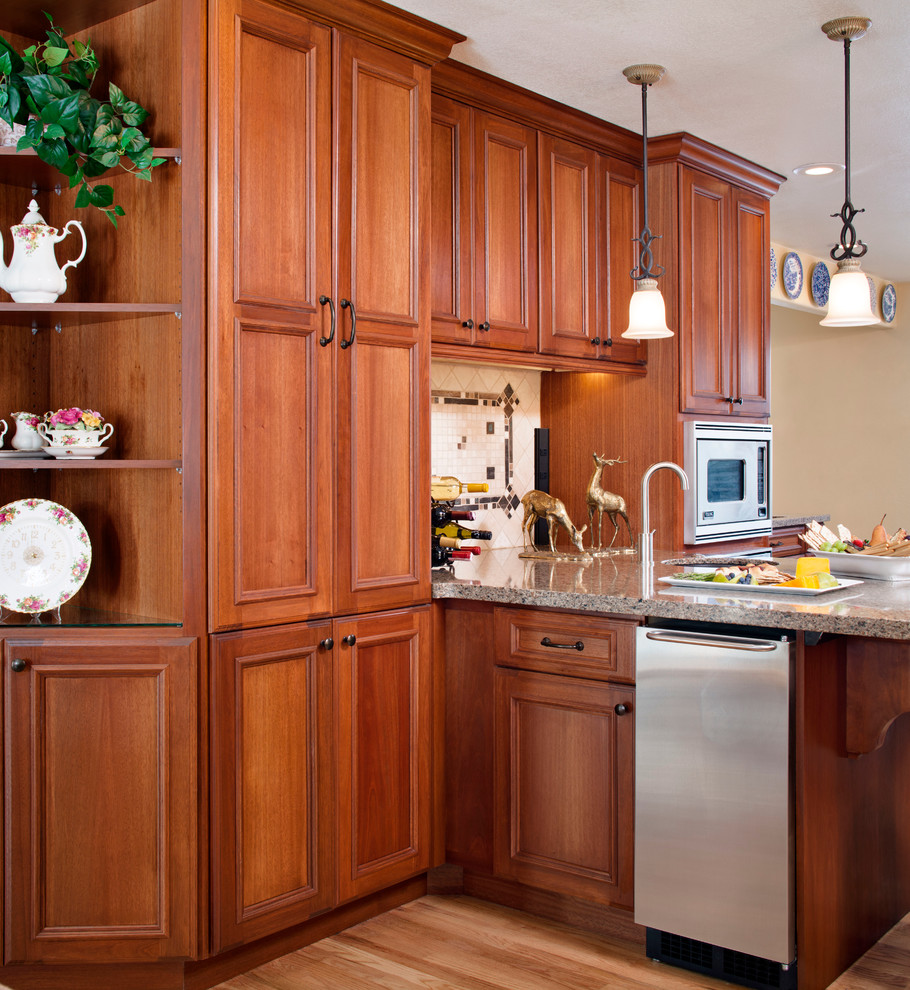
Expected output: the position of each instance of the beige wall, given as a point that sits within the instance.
(841, 413)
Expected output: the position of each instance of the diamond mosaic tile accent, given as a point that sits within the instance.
(482, 422)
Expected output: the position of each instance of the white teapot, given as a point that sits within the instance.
(33, 275)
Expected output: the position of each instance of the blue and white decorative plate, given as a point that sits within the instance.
(871, 293)
(773, 268)
(821, 282)
(792, 274)
(889, 303)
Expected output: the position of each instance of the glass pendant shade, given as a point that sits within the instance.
(647, 312)
(849, 299)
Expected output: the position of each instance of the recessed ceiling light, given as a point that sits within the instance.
(818, 168)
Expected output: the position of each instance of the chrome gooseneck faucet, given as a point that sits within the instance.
(646, 537)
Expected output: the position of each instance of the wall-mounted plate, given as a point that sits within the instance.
(821, 282)
(889, 303)
(773, 268)
(792, 274)
(871, 292)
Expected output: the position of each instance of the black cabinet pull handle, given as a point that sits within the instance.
(468, 324)
(622, 709)
(325, 341)
(484, 326)
(546, 641)
(347, 304)
(327, 643)
(349, 640)
(19, 665)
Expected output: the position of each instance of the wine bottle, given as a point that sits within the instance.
(441, 514)
(450, 543)
(447, 488)
(460, 533)
(443, 556)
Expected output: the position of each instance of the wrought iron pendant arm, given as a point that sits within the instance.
(645, 267)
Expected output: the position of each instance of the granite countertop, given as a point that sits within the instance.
(615, 584)
(781, 522)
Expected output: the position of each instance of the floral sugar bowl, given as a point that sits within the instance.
(26, 436)
(75, 432)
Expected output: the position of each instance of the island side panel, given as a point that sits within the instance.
(852, 819)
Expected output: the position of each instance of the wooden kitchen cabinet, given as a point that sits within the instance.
(724, 337)
(564, 784)
(99, 799)
(383, 696)
(588, 219)
(484, 229)
(320, 356)
(273, 780)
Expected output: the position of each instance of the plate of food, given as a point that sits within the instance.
(881, 557)
(724, 579)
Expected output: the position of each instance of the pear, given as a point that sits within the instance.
(879, 534)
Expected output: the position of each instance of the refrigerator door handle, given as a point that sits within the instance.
(715, 641)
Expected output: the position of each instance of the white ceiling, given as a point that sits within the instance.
(757, 77)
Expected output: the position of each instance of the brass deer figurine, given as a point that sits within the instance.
(540, 505)
(602, 501)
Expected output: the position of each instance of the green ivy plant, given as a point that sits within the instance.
(46, 87)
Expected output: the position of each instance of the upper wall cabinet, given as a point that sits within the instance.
(534, 211)
(320, 335)
(588, 219)
(484, 256)
(720, 205)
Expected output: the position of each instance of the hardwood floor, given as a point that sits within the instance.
(452, 942)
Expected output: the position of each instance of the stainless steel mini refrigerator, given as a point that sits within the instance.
(714, 873)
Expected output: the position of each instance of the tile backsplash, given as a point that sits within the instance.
(482, 421)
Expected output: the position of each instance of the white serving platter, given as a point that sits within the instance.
(867, 565)
(722, 587)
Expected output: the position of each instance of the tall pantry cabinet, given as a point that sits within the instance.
(100, 702)
(319, 476)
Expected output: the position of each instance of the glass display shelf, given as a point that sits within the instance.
(73, 616)
(82, 463)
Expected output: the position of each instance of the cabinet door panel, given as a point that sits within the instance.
(383, 474)
(451, 273)
(383, 104)
(618, 217)
(567, 248)
(704, 264)
(564, 802)
(271, 748)
(751, 357)
(505, 247)
(280, 102)
(100, 801)
(383, 696)
(270, 379)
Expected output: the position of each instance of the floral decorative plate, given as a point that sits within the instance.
(821, 282)
(889, 303)
(792, 275)
(871, 292)
(773, 268)
(45, 555)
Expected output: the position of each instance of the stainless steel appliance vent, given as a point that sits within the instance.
(714, 960)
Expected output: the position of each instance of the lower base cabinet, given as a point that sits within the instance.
(100, 800)
(321, 764)
(563, 781)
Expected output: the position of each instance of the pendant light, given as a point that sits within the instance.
(647, 312)
(849, 301)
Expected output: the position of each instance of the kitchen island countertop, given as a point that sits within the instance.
(616, 585)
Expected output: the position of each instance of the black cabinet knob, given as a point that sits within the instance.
(327, 643)
(622, 709)
(349, 640)
(485, 326)
(18, 665)
(595, 341)
(468, 324)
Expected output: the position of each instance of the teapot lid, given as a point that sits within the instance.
(33, 216)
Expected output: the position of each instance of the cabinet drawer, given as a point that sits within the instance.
(786, 542)
(563, 643)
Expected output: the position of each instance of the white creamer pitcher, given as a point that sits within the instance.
(33, 275)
